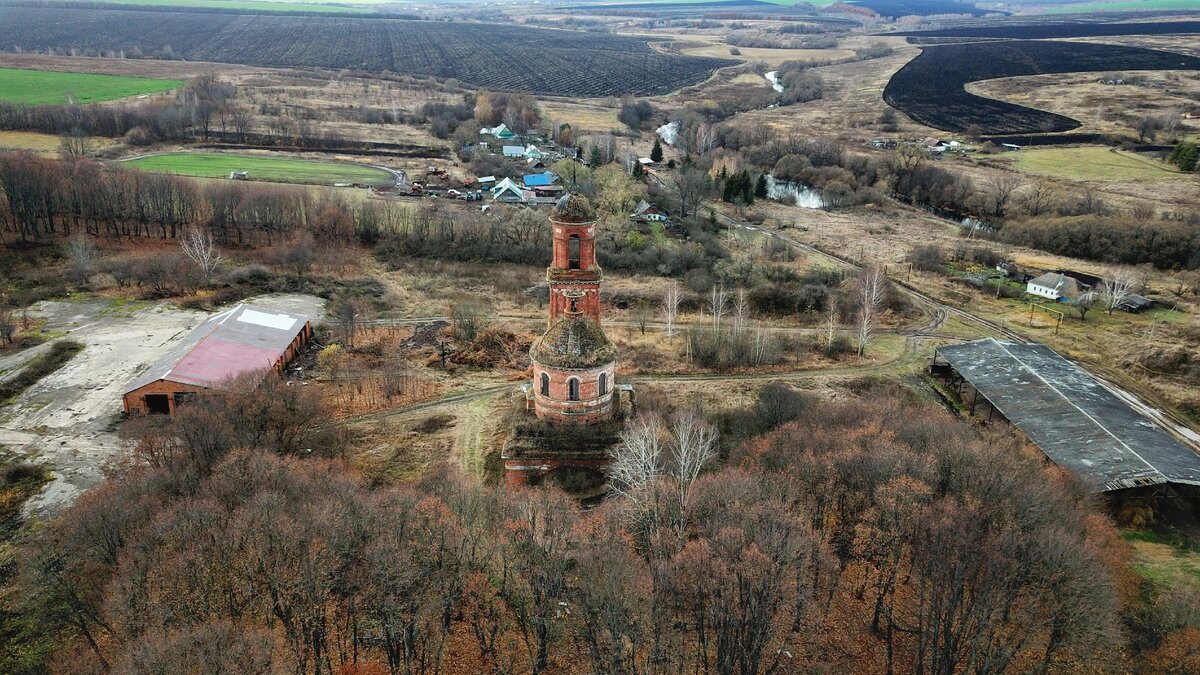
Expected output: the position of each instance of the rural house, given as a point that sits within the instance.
(1055, 286)
(512, 151)
(532, 152)
(229, 344)
(500, 131)
(509, 192)
(544, 179)
(645, 212)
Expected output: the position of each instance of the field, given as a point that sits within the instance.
(39, 87)
(551, 62)
(1042, 31)
(929, 89)
(768, 55)
(255, 5)
(1124, 6)
(1090, 164)
(273, 169)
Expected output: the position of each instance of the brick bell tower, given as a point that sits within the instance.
(574, 363)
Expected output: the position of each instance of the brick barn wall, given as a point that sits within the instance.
(135, 401)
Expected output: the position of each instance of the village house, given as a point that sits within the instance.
(501, 132)
(513, 151)
(510, 192)
(1055, 286)
(645, 212)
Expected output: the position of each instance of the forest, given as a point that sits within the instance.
(874, 534)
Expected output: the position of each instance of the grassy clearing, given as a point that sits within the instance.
(41, 87)
(256, 5)
(272, 169)
(1090, 164)
(60, 352)
(43, 144)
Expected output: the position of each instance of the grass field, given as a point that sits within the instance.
(42, 87)
(1090, 164)
(257, 5)
(271, 169)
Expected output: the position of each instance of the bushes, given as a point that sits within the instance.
(1165, 244)
(928, 257)
(41, 366)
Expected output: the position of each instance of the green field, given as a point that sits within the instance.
(256, 5)
(43, 87)
(271, 169)
(1090, 164)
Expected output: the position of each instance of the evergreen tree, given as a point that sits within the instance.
(656, 154)
(638, 171)
(595, 159)
(760, 188)
(1185, 156)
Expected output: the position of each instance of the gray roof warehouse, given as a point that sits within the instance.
(1078, 422)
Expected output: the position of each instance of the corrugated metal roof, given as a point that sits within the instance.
(540, 179)
(227, 344)
(1077, 421)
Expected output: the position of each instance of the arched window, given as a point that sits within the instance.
(573, 252)
(603, 389)
(572, 389)
(545, 384)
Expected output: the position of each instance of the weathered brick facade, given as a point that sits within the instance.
(574, 363)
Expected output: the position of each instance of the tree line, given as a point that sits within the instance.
(872, 535)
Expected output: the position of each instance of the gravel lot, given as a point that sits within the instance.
(67, 421)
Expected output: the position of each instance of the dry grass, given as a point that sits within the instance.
(582, 117)
(772, 57)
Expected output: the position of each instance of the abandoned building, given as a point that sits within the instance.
(574, 363)
(229, 344)
(1077, 421)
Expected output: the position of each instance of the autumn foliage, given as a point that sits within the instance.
(864, 536)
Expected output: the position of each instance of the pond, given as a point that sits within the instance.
(793, 194)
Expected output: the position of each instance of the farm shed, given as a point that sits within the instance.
(234, 342)
(1077, 421)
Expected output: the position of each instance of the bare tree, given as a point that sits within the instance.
(642, 313)
(671, 307)
(693, 444)
(717, 305)
(348, 313)
(467, 317)
(75, 144)
(1117, 287)
(1003, 186)
(872, 287)
(830, 322)
(741, 311)
(637, 459)
(706, 139)
(198, 245)
(1038, 198)
(82, 254)
(691, 184)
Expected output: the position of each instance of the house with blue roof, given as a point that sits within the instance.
(540, 179)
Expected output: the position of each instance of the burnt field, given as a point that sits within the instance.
(1044, 31)
(514, 58)
(929, 89)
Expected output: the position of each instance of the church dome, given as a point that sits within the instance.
(574, 342)
(573, 208)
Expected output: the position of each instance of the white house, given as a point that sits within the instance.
(1054, 286)
(532, 152)
(514, 151)
(500, 131)
(647, 213)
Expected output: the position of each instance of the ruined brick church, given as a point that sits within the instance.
(574, 362)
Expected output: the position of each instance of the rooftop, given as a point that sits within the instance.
(1077, 421)
(228, 344)
(574, 342)
(573, 208)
